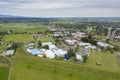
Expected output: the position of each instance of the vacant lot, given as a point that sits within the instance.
(30, 67)
(18, 37)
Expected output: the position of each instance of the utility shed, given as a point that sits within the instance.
(9, 52)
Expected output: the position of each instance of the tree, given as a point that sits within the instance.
(77, 48)
(89, 37)
(46, 47)
(71, 52)
(84, 39)
(14, 45)
(39, 44)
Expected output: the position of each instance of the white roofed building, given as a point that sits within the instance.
(49, 54)
(46, 43)
(9, 52)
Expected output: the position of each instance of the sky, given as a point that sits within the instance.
(61, 8)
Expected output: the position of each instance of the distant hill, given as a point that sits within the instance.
(9, 16)
(13, 18)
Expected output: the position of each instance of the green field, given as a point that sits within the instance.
(109, 62)
(18, 38)
(29, 67)
(44, 39)
(3, 47)
(22, 27)
(4, 73)
(4, 68)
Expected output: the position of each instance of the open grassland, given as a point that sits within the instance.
(18, 38)
(4, 68)
(3, 47)
(109, 62)
(28, 67)
(4, 73)
(44, 39)
(22, 27)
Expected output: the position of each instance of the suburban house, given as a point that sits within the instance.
(79, 57)
(9, 52)
(104, 45)
(46, 43)
(87, 45)
(70, 42)
(79, 35)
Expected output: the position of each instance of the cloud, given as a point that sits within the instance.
(60, 7)
(45, 5)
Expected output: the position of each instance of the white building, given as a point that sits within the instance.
(9, 52)
(49, 54)
(60, 52)
(46, 43)
(70, 42)
(84, 44)
(104, 45)
(79, 57)
(87, 45)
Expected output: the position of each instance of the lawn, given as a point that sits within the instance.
(28, 67)
(44, 39)
(4, 68)
(18, 37)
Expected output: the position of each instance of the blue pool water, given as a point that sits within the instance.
(35, 51)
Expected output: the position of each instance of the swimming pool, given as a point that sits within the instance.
(35, 51)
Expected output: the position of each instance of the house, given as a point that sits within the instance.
(79, 35)
(104, 45)
(9, 47)
(49, 54)
(9, 52)
(79, 58)
(70, 42)
(91, 47)
(56, 35)
(46, 43)
(87, 45)
(83, 51)
(60, 53)
(51, 47)
(31, 44)
(82, 44)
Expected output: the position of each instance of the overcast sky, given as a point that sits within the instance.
(61, 8)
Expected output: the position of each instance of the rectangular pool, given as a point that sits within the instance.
(35, 51)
